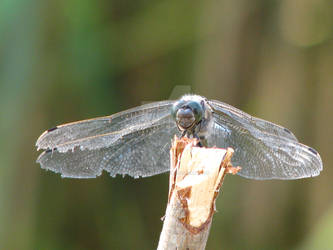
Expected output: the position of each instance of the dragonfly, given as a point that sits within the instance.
(136, 142)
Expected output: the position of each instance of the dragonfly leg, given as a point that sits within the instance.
(183, 134)
(202, 142)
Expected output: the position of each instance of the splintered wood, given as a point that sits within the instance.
(196, 175)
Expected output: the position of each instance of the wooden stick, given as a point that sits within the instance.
(196, 175)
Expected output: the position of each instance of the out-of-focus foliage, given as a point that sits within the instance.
(62, 61)
(321, 238)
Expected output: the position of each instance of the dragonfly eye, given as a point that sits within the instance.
(185, 118)
(187, 114)
(197, 109)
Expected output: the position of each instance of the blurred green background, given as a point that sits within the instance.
(63, 61)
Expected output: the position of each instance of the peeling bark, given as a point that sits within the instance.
(196, 176)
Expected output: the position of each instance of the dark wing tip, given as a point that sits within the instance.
(288, 131)
(319, 163)
(51, 129)
(312, 150)
(39, 143)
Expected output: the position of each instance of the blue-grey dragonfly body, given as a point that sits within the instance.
(136, 142)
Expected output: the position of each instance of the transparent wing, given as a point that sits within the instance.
(140, 153)
(102, 131)
(264, 150)
(134, 142)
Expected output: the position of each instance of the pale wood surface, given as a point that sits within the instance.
(196, 175)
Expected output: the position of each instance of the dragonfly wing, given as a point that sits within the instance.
(102, 131)
(140, 153)
(264, 150)
(256, 125)
(73, 164)
(137, 143)
(147, 155)
(143, 152)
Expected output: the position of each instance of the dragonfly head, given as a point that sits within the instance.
(187, 113)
